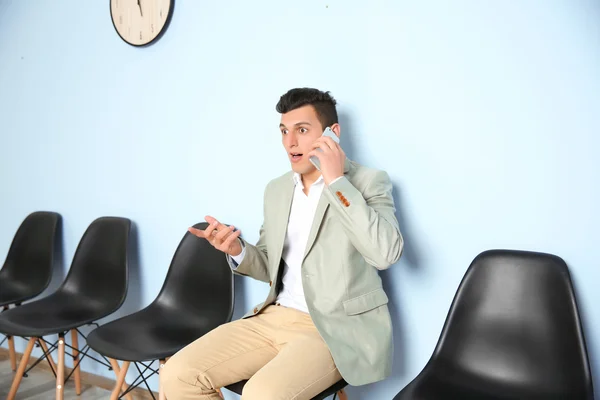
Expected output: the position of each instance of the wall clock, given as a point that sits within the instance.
(141, 22)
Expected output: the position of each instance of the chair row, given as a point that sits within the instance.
(196, 297)
(513, 330)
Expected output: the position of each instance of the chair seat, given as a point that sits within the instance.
(12, 292)
(238, 387)
(154, 333)
(59, 312)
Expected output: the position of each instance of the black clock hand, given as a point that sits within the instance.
(140, 6)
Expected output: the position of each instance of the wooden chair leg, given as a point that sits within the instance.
(12, 353)
(21, 370)
(342, 395)
(121, 373)
(161, 392)
(77, 373)
(11, 347)
(49, 357)
(60, 372)
(115, 367)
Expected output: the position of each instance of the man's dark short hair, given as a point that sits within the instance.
(323, 103)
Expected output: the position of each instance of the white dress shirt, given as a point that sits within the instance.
(300, 222)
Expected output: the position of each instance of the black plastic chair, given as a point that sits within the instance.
(196, 297)
(513, 332)
(95, 287)
(28, 268)
(335, 390)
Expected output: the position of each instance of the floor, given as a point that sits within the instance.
(40, 385)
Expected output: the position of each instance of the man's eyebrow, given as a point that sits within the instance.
(296, 124)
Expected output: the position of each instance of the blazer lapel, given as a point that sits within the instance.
(282, 216)
(320, 214)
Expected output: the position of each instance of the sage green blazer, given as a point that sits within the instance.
(354, 234)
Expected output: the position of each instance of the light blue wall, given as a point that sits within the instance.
(485, 114)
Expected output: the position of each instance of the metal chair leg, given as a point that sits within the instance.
(48, 356)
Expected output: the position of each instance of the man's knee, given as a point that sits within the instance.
(179, 379)
(259, 389)
(169, 378)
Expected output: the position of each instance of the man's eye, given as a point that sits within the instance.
(284, 131)
(303, 130)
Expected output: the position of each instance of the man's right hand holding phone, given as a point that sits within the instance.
(222, 237)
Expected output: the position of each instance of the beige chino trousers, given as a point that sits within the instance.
(279, 350)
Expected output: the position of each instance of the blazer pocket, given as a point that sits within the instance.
(366, 302)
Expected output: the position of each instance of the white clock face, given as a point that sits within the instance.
(140, 22)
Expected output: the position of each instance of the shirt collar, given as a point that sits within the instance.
(298, 180)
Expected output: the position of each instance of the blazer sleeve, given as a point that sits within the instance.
(369, 218)
(256, 262)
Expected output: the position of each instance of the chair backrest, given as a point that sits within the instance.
(514, 323)
(199, 281)
(99, 272)
(30, 257)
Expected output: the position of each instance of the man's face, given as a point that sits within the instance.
(299, 130)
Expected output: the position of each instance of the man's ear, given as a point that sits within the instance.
(337, 129)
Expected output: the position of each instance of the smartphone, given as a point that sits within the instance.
(328, 133)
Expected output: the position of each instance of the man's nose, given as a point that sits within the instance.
(290, 140)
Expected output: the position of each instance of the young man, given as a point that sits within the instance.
(324, 237)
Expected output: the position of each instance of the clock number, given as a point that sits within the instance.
(161, 13)
(152, 28)
(120, 20)
(140, 35)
